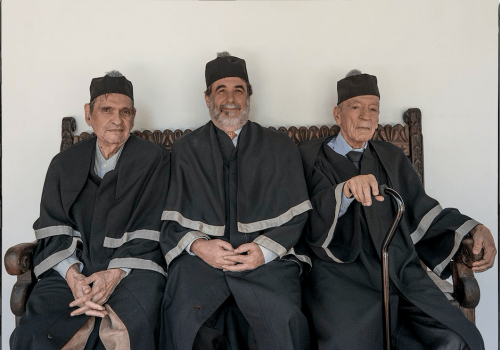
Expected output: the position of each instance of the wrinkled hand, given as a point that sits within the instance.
(79, 290)
(253, 259)
(103, 284)
(483, 239)
(362, 187)
(213, 251)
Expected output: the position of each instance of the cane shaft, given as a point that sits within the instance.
(385, 262)
(387, 313)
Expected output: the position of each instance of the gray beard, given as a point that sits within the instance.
(224, 120)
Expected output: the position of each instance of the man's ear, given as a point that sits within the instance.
(207, 100)
(86, 107)
(336, 114)
(133, 119)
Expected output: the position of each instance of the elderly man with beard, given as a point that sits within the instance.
(98, 260)
(236, 207)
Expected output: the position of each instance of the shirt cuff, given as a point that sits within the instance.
(344, 204)
(64, 265)
(269, 255)
(126, 269)
(188, 248)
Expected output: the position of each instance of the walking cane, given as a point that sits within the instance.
(383, 189)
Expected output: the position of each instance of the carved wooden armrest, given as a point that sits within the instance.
(19, 261)
(465, 287)
(19, 258)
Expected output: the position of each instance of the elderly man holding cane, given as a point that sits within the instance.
(347, 226)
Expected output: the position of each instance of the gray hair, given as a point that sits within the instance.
(114, 74)
(208, 91)
(353, 72)
(223, 54)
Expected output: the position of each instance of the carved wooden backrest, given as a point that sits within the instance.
(408, 137)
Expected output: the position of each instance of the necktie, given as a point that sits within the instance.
(355, 157)
(231, 134)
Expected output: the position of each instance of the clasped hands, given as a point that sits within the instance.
(362, 187)
(221, 254)
(90, 299)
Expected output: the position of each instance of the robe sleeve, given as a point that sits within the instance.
(282, 239)
(139, 247)
(321, 231)
(175, 238)
(56, 234)
(436, 232)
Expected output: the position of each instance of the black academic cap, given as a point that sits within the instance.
(356, 84)
(225, 66)
(112, 82)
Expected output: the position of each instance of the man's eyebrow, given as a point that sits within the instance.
(354, 100)
(220, 87)
(240, 87)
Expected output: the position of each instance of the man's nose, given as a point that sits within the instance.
(115, 117)
(365, 113)
(230, 97)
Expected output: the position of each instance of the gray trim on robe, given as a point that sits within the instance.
(128, 236)
(273, 246)
(136, 263)
(277, 221)
(459, 235)
(195, 225)
(56, 258)
(183, 243)
(338, 200)
(425, 223)
(56, 231)
(303, 258)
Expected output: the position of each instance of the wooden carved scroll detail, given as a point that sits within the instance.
(301, 134)
(413, 118)
(165, 138)
(83, 136)
(67, 131)
(398, 135)
(19, 261)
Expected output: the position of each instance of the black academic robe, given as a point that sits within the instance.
(344, 289)
(111, 223)
(253, 193)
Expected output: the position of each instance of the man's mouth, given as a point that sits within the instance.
(230, 107)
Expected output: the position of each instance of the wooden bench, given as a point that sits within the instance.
(464, 292)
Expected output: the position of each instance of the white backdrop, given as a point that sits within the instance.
(439, 56)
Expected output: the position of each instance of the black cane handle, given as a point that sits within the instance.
(381, 190)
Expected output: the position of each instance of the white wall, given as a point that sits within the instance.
(440, 56)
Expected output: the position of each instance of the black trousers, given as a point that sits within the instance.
(415, 330)
(226, 329)
(412, 329)
(47, 323)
